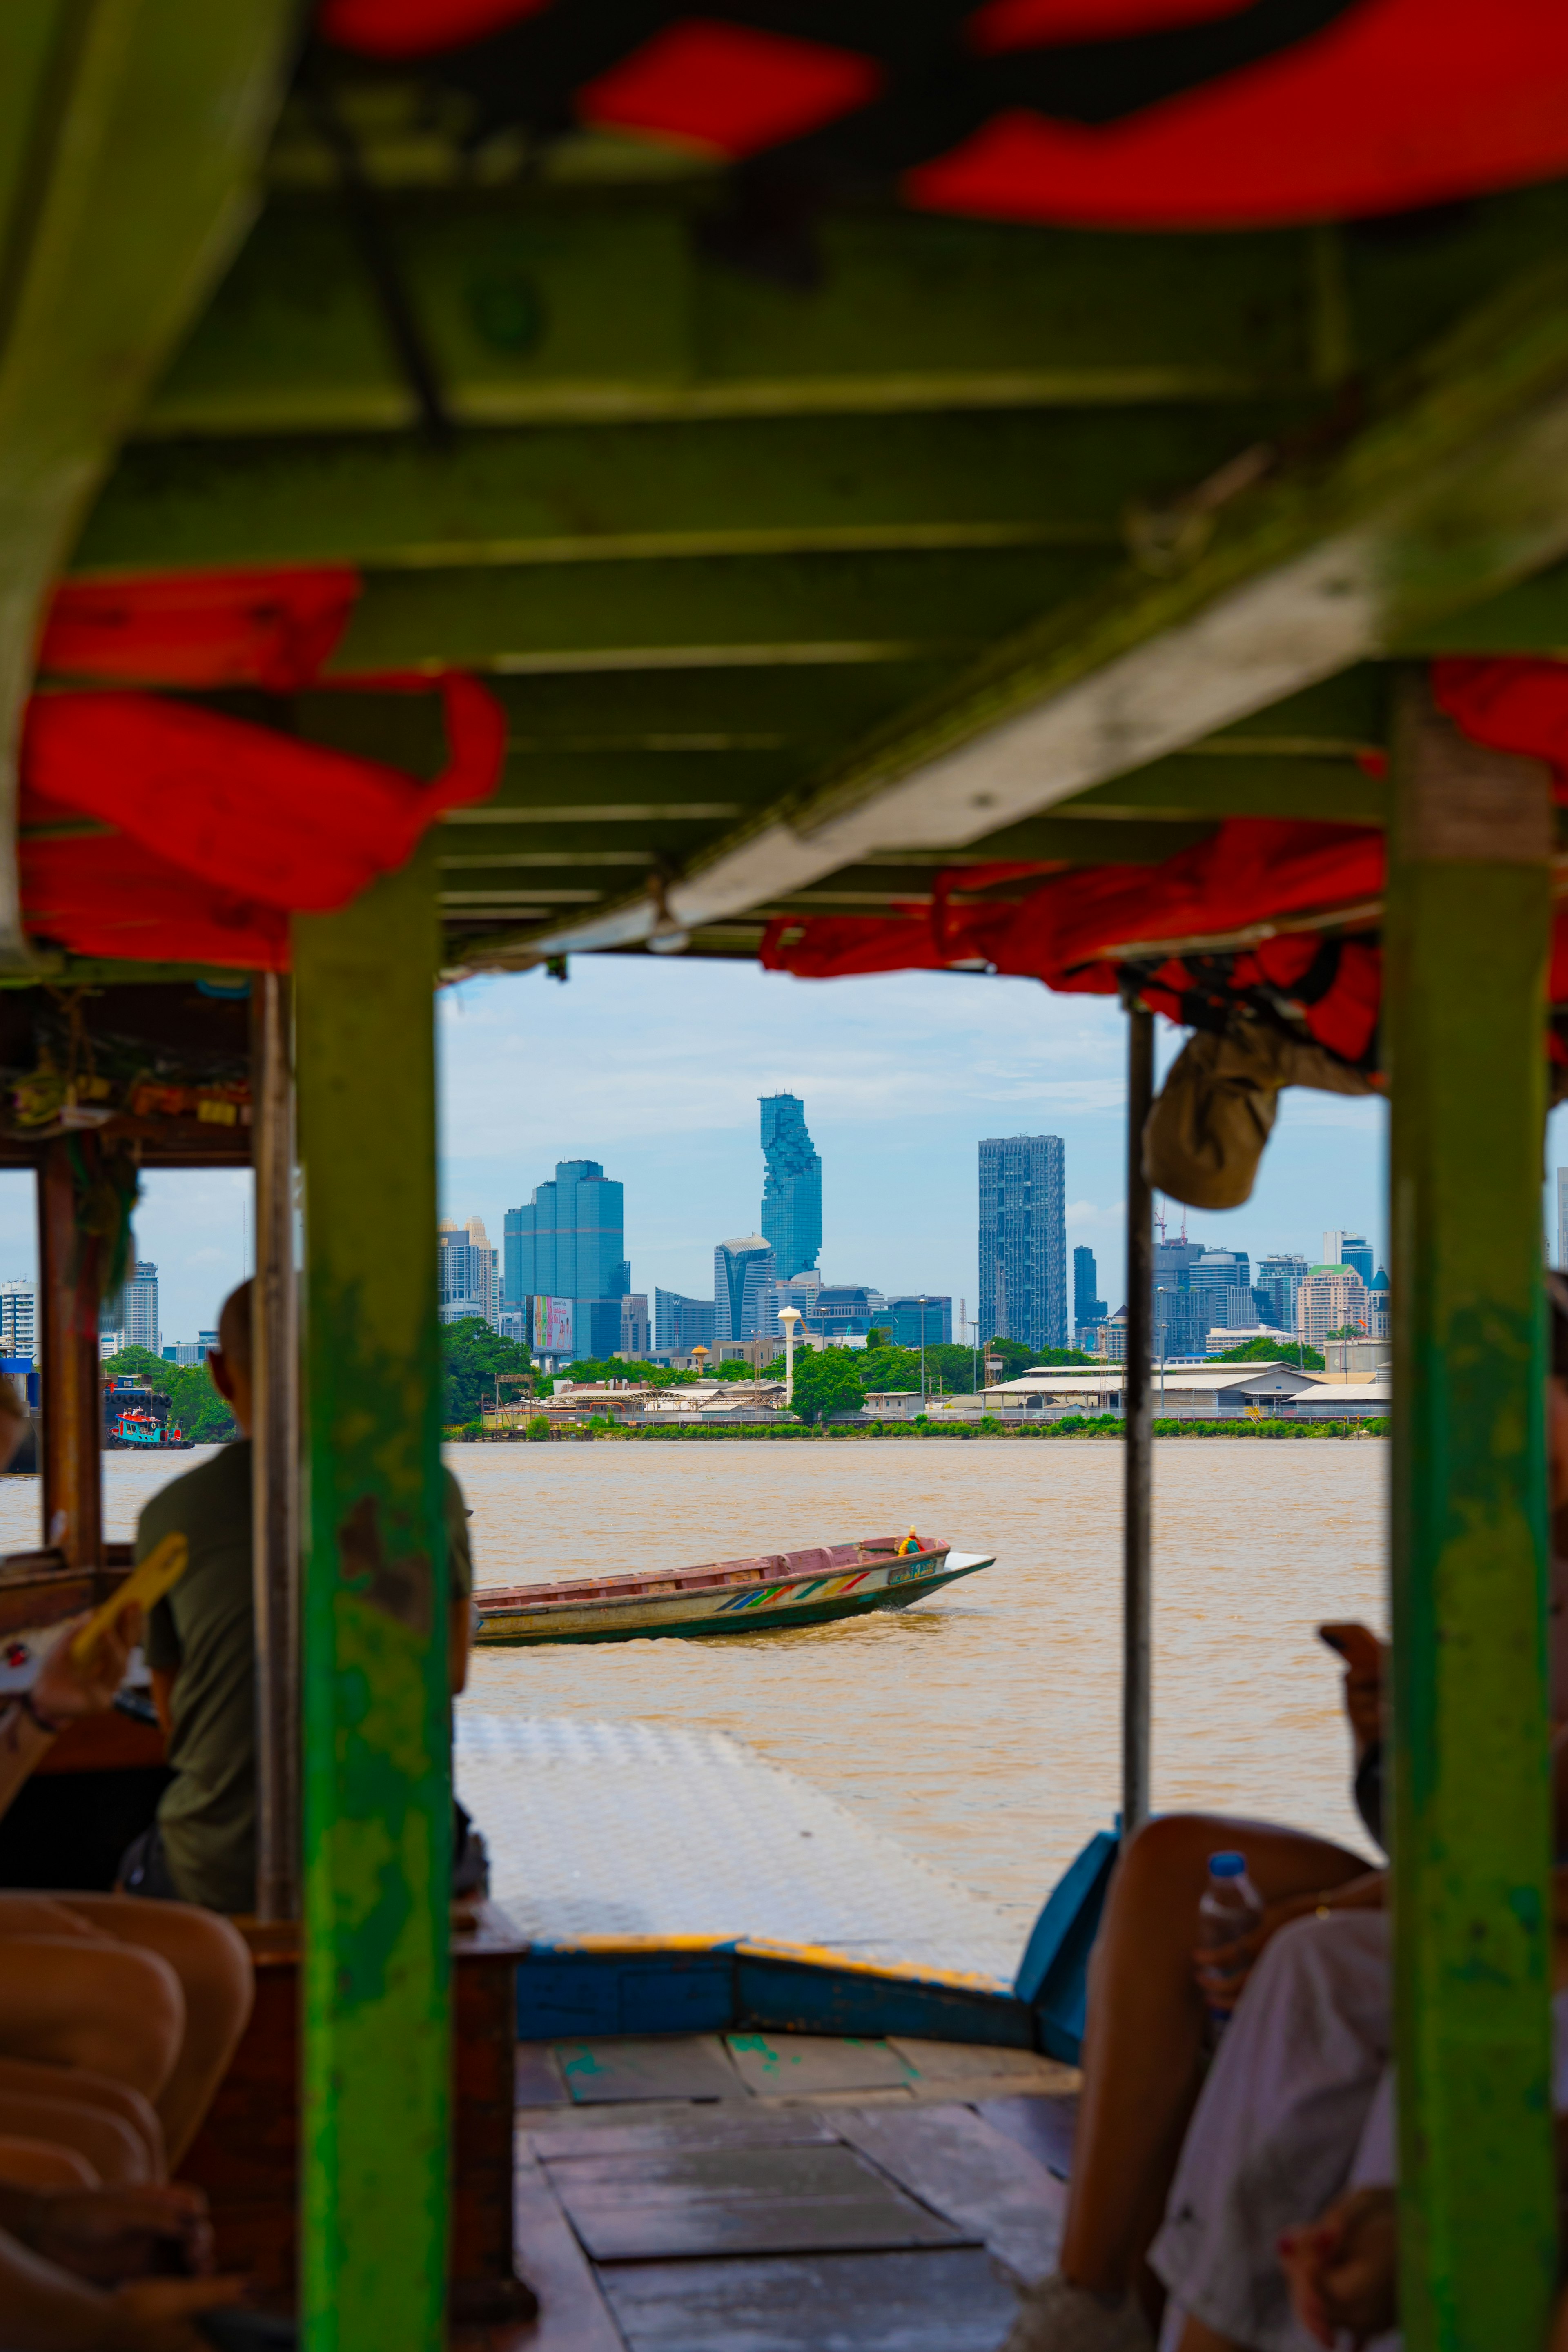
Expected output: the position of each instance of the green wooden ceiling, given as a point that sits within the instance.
(993, 543)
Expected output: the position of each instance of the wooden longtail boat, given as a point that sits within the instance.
(725, 1596)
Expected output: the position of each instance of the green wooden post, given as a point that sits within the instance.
(377, 1758)
(1469, 923)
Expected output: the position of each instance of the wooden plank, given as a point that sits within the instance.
(1043, 2123)
(69, 1266)
(656, 2066)
(738, 2200)
(627, 322)
(707, 612)
(801, 2066)
(573, 2314)
(556, 494)
(976, 2061)
(986, 2184)
(685, 2127)
(941, 2300)
(537, 2080)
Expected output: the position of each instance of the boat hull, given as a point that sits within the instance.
(750, 1610)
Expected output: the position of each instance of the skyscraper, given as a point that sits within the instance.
(1348, 1249)
(141, 1308)
(469, 1288)
(792, 1187)
(569, 1242)
(19, 1319)
(1280, 1278)
(1087, 1307)
(680, 1323)
(1023, 1240)
(1563, 1219)
(742, 1270)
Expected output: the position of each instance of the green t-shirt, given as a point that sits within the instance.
(205, 1632)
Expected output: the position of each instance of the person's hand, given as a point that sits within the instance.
(109, 2236)
(1343, 2269)
(1366, 1664)
(1222, 1969)
(159, 2314)
(67, 1688)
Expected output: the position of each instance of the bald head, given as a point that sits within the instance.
(229, 1361)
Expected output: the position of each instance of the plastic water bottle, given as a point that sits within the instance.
(1229, 1907)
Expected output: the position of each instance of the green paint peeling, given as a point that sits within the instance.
(378, 1767)
(1464, 1009)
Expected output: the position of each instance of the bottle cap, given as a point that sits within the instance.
(1227, 1865)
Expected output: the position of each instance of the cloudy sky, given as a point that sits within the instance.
(655, 1069)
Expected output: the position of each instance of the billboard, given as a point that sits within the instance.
(551, 1326)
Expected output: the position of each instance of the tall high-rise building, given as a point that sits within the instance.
(140, 1296)
(113, 1309)
(469, 1277)
(569, 1242)
(1280, 1278)
(742, 1269)
(1342, 1248)
(1331, 1298)
(1354, 1250)
(1023, 1240)
(1563, 1219)
(680, 1324)
(636, 1337)
(1087, 1307)
(19, 1319)
(791, 1186)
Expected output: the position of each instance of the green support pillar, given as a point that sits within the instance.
(376, 1713)
(1467, 932)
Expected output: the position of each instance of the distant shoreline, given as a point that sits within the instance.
(840, 1433)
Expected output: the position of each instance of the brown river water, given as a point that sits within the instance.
(980, 1727)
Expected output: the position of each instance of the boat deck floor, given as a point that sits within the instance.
(754, 2192)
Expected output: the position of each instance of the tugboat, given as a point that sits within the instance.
(136, 1414)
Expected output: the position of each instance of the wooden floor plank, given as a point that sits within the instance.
(1045, 2126)
(628, 2067)
(801, 2066)
(538, 2077)
(573, 2314)
(985, 2183)
(690, 2127)
(980, 2061)
(670, 2203)
(941, 2300)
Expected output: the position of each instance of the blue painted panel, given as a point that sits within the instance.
(585, 1993)
(1053, 1976)
(789, 1996)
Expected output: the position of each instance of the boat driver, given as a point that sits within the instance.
(201, 1649)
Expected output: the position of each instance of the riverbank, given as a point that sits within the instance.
(840, 1433)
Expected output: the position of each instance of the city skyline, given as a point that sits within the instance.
(902, 1076)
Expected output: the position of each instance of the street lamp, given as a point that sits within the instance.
(789, 1316)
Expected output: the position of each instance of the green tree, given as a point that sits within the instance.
(473, 1355)
(1275, 1351)
(827, 1382)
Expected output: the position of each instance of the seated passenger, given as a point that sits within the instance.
(1148, 1990)
(83, 2206)
(201, 1648)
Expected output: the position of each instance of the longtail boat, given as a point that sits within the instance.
(724, 1596)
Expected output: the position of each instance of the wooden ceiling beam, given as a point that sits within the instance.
(1456, 487)
(541, 305)
(570, 494)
